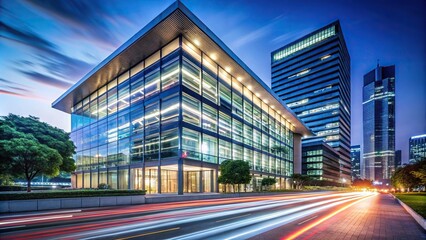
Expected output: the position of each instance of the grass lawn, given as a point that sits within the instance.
(417, 201)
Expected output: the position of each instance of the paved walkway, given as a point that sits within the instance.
(380, 217)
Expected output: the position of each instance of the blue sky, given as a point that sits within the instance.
(46, 46)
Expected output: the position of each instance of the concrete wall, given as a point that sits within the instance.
(64, 203)
(297, 153)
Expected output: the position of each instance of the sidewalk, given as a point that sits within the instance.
(382, 217)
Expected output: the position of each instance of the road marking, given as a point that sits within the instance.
(151, 233)
(35, 219)
(12, 227)
(309, 219)
(226, 219)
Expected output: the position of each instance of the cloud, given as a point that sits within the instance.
(13, 85)
(258, 33)
(25, 37)
(6, 92)
(45, 79)
(91, 19)
(48, 56)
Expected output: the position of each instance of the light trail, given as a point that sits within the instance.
(319, 221)
(233, 218)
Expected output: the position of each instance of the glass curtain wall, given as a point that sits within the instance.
(134, 119)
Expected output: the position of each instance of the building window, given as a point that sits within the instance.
(209, 149)
(170, 109)
(190, 144)
(191, 110)
(169, 143)
(191, 75)
(225, 152)
(209, 118)
(209, 87)
(225, 125)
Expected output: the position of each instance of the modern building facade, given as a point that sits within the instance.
(379, 123)
(417, 147)
(312, 76)
(166, 108)
(320, 162)
(356, 161)
(398, 159)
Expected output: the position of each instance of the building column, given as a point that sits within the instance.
(297, 153)
(180, 177)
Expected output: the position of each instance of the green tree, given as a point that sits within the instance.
(46, 134)
(29, 147)
(268, 182)
(403, 177)
(419, 171)
(234, 172)
(300, 180)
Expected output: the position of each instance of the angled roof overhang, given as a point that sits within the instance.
(174, 21)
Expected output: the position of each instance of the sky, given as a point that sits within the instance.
(47, 46)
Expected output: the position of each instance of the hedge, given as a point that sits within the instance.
(69, 194)
(24, 188)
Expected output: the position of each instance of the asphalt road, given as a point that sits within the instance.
(286, 216)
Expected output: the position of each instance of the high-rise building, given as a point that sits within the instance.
(379, 123)
(417, 148)
(167, 107)
(356, 161)
(312, 76)
(398, 159)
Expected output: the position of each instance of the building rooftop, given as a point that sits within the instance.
(174, 21)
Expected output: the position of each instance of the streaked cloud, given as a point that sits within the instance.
(90, 19)
(45, 79)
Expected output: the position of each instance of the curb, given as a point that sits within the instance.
(419, 219)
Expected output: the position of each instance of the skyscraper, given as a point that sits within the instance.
(379, 123)
(417, 148)
(172, 103)
(398, 159)
(312, 76)
(356, 161)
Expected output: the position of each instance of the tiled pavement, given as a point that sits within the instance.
(380, 217)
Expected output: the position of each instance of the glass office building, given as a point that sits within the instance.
(163, 111)
(417, 149)
(320, 162)
(356, 161)
(379, 123)
(312, 76)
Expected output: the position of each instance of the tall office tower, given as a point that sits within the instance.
(379, 123)
(165, 109)
(398, 159)
(356, 161)
(312, 76)
(417, 148)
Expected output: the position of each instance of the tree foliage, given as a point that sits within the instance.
(410, 176)
(300, 180)
(29, 147)
(234, 172)
(268, 182)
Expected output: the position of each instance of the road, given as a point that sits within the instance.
(320, 215)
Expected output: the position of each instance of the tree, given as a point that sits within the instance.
(29, 147)
(300, 180)
(234, 172)
(46, 134)
(30, 158)
(268, 182)
(420, 171)
(404, 178)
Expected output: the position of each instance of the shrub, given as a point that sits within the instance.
(103, 186)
